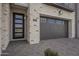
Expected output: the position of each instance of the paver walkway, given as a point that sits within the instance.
(65, 47)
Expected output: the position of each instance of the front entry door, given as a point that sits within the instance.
(18, 26)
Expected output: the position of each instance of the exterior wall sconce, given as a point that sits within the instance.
(60, 12)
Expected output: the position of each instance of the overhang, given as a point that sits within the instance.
(60, 6)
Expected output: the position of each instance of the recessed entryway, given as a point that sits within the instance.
(18, 23)
(51, 28)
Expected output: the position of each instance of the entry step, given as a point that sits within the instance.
(4, 53)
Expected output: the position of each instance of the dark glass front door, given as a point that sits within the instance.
(18, 25)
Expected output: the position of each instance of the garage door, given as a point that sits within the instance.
(53, 28)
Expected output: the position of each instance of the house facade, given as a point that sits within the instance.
(34, 22)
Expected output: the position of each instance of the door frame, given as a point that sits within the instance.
(25, 26)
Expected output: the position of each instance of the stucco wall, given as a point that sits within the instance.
(36, 10)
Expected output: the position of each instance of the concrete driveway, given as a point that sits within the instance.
(64, 46)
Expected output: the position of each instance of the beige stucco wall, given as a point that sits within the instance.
(37, 9)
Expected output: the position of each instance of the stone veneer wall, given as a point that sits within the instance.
(35, 10)
(0, 25)
(5, 25)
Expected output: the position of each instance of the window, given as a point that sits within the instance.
(51, 21)
(18, 21)
(43, 20)
(18, 25)
(59, 22)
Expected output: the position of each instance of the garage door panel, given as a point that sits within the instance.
(53, 28)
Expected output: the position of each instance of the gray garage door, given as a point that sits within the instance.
(53, 28)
